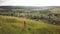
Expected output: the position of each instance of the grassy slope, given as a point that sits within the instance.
(14, 25)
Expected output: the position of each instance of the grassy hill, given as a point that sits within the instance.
(14, 25)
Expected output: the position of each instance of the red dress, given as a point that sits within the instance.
(25, 24)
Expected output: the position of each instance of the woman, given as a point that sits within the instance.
(25, 25)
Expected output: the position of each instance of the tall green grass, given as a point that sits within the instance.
(14, 25)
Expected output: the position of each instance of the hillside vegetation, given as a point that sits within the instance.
(14, 25)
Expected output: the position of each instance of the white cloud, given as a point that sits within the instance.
(32, 3)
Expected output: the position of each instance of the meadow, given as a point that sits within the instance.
(14, 25)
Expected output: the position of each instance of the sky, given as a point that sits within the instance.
(29, 2)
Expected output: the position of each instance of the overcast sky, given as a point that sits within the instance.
(30, 2)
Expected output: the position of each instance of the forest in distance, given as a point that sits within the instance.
(49, 14)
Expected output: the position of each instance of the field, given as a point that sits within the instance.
(14, 25)
(39, 20)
